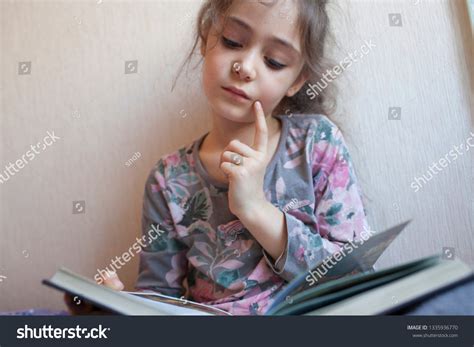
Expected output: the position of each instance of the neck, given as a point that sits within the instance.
(223, 131)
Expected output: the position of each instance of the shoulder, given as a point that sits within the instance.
(171, 165)
(316, 123)
(311, 130)
(323, 140)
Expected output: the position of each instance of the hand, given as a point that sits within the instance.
(82, 307)
(246, 180)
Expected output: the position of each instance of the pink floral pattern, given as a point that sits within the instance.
(207, 254)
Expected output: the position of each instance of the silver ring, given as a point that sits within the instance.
(237, 159)
(236, 67)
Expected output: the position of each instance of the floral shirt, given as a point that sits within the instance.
(206, 254)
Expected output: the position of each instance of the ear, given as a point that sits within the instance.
(204, 42)
(296, 86)
(203, 48)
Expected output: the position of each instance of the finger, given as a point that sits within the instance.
(240, 148)
(227, 156)
(261, 131)
(112, 281)
(228, 169)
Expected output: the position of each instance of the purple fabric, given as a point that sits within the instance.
(458, 301)
(35, 312)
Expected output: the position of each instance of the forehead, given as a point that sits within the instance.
(269, 18)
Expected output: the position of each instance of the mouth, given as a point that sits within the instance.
(239, 93)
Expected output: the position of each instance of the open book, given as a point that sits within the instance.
(342, 284)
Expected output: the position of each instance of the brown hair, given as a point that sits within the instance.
(313, 26)
(316, 37)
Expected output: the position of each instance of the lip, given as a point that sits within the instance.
(236, 91)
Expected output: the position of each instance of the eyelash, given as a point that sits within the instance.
(234, 45)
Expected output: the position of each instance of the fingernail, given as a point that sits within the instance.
(119, 285)
(111, 274)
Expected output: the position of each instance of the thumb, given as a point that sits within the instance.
(112, 281)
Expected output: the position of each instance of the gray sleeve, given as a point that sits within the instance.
(340, 215)
(163, 263)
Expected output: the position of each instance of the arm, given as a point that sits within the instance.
(339, 212)
(162, 260)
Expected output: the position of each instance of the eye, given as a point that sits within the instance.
(230, 43)
(274, 64)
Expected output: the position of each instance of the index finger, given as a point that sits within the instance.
(261, 131)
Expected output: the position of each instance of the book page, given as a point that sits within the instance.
(177, 306)
(354, 257)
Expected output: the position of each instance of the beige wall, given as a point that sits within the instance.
(78, 89)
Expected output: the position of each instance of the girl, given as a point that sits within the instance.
(264, 195)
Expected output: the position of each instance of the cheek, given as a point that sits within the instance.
(272, 93)
(214, 70)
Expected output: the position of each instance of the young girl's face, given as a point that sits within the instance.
(265, 41)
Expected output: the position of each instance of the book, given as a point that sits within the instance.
(344, 283)
(124, 302)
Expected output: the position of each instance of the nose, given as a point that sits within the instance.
(247, 70)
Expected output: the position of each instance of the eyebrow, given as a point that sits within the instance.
(247, 27)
